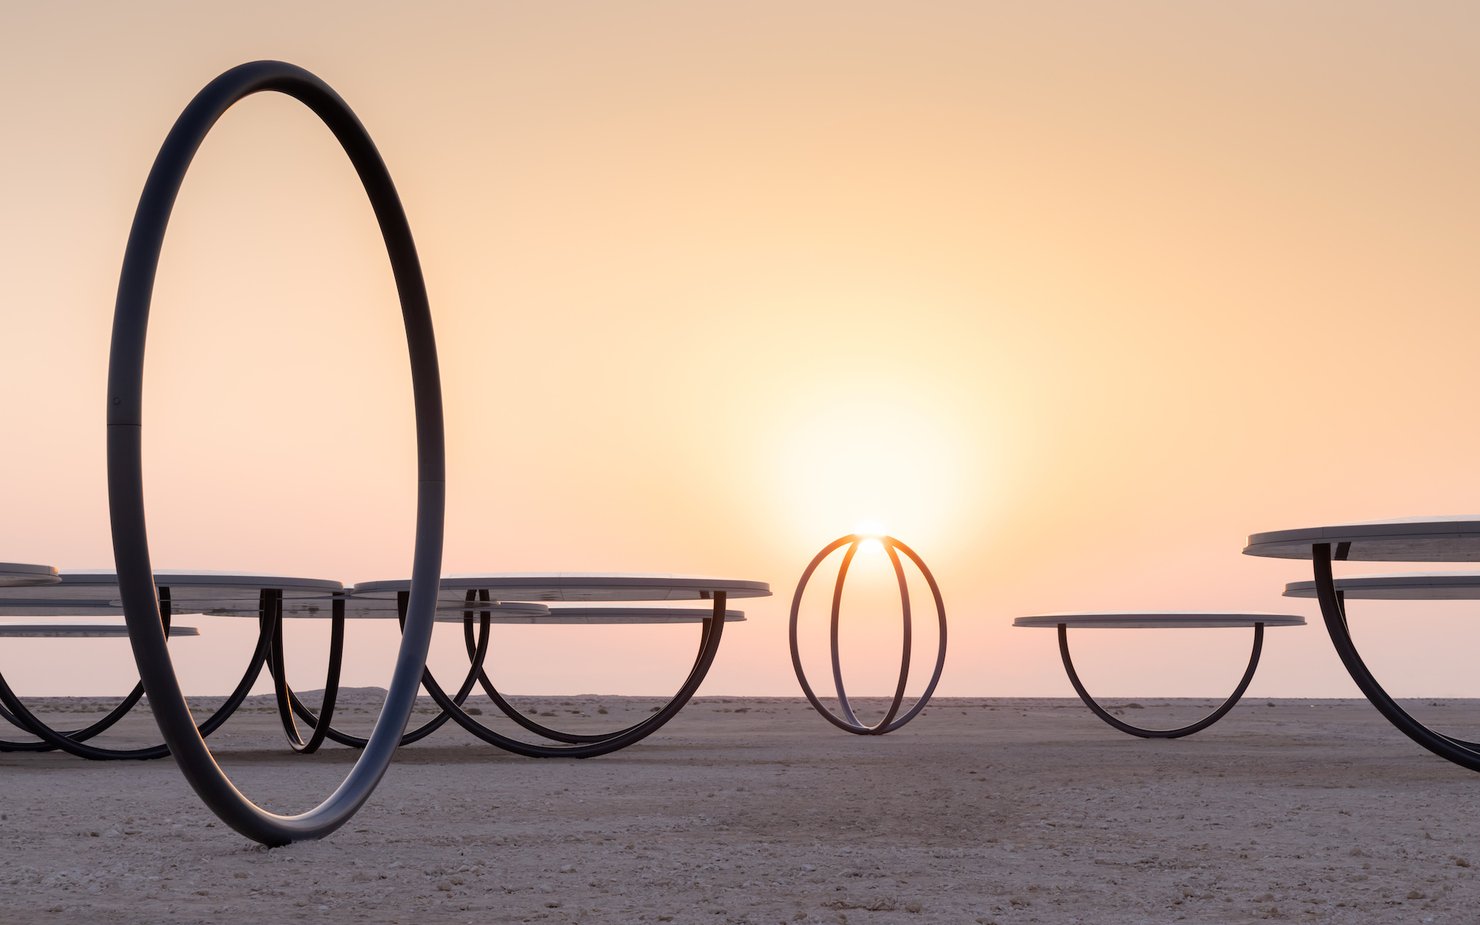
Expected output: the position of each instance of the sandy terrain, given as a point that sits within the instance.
(754, 810)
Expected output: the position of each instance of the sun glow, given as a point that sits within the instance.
(870, 457)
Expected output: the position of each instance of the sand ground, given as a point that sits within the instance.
(755, 810)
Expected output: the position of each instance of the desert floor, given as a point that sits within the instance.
(755, 810)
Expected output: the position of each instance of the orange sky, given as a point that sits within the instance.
(1070, 298)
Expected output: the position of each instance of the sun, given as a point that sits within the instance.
(870, 534)
(866, 458)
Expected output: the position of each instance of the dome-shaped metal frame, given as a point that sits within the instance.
(893, 718)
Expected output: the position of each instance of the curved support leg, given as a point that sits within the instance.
(76, 735)
(1333, 612)
(272, 609)
(714, 629)
(539, 729)
(73, 743)
(103, 724)
(1127, 728)
(321, 725)
(694, 678)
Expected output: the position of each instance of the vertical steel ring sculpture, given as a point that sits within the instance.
(125, 468)
(893, 718)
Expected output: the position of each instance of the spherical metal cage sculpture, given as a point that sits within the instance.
(893, 718)
(141, 603)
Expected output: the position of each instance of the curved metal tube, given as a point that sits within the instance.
(73, 742)
(478, 651)
(940, 651)
(1188, 730)
(1333, 612)
(713, 630)
(407, 738)
(125, 451)
(540, 729)
(892, 719)
(103, 724)
(278, 667)
(904, 664)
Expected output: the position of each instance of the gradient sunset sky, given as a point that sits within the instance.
(1069, 297)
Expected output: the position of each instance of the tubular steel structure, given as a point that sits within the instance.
(1333, 612)
(141, 605)
(1187, 730)
(571, 745)
(893, 718)
(289, 704)
(75, 742)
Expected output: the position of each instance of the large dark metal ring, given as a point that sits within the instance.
(125, 467)
(892, 718)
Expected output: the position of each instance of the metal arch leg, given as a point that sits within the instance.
(104, 723)
(1333, 613)
(272, 609)
(508, 709)
(73, 744)
(1129, 729)
(76, 735)
(415, 735)
(612, 743)
(521, 719)
(8, 717)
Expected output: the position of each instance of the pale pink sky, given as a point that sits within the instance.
(1069, 297)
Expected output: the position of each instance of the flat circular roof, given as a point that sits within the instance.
(1159, 619)
(1418, 539)
(1412, 586)
(20, 574)
(577, 587)
(629, 615)
(95, 592)
(71, 631)
(377, 609)
(500, 612)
